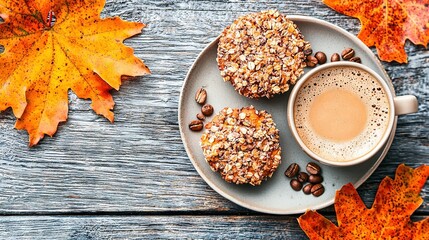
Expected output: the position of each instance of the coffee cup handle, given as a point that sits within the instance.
(406, 104)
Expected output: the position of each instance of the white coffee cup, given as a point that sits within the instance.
(342, 113)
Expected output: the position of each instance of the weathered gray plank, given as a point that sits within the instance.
(150, 227)
(153, 227)
(139, 163)
(131, 227)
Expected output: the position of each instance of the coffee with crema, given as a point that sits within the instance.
(341, 113)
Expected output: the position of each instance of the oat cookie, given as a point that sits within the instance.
(242, 145)
(261, 54)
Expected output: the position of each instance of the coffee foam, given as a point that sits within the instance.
(364, 86)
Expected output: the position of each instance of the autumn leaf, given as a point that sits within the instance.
(389, 217)
(51, 46)
(386, 24)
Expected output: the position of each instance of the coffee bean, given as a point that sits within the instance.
(302, 177)
(307, 189)
(311, 61)
(313, 168)
(321, 57)
(201, 96)
(308, 52)
(317, 190)
(207, 110)
(315, 178)
(347, 53)
(355, 59)
(295, 184)
(196, 125)
(292, 170)
(335, 57)
(201, 116)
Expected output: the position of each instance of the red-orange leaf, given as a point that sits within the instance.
(43, 59)
(386, 24)
(389, 217)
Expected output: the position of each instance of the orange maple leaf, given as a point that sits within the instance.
(43, 59)
(386, 24)
(389, 217)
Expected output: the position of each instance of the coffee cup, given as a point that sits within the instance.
(342, 113)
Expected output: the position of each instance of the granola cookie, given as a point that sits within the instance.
(261, 54)
(242, 145)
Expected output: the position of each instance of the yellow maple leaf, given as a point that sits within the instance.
(43, 59)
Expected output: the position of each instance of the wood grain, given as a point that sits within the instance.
(149, 227)
(139, 165)
(152, 227)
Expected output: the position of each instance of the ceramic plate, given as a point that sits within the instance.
(275, 195)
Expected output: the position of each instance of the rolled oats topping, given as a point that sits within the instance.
(242, 145)
(262, 54)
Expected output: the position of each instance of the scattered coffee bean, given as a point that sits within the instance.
(315, 179)
(292, 170)
(295, 184)
(201, 116)
(302, 177)
(335, 57)
(321, 57)
(196, 125)
(312, 176)
(313, 168)
(317, 190)
(207, 110)
(311, 61)
(307, 189)
(201, 96)
(355, 59)
(308, 52)
(347, 53)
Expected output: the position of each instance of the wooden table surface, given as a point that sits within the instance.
(133, 179)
